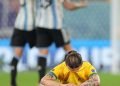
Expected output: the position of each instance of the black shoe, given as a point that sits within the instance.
(13, 84)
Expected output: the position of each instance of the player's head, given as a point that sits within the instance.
(73, 60)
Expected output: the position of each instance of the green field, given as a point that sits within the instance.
(31, 78)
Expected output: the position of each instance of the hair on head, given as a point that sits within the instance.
(73, 59)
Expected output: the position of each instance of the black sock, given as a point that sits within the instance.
(13, 64)
(41, 67)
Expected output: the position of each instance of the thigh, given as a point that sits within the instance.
(18, 39)
(31, 38)
(43, 37)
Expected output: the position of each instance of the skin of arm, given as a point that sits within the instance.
(51, 80)
(73, 6)
(93, 80)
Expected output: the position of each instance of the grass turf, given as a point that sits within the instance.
(30, 78)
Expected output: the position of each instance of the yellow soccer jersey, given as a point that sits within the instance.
(64, 75)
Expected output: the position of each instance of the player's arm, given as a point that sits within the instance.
(72, 5)
(50, 79)
(94, 80)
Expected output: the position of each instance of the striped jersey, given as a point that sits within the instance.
(49, 14)
(26, 18)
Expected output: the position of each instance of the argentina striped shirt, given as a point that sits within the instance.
(49, 14)
(25, 19)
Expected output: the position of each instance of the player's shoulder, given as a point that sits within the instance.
(61, 65)
(86, 64)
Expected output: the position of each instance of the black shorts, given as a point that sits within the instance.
(20, 38)
(45, 37)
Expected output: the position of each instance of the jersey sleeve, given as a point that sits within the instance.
(57, 71)
(91, 70)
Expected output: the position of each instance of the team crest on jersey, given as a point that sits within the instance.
(93, 70)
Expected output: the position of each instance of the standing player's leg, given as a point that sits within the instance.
(62, 39)
(42, 62)
(14, 62)
(43, 41)
(67, 47)
(17, 42)
(33, 39)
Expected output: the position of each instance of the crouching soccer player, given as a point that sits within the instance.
(72, 72)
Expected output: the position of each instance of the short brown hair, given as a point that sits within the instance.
(73, 59)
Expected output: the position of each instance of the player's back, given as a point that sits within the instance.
(26, 15)
(49, 14)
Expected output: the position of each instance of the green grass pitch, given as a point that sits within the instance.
(30, 78)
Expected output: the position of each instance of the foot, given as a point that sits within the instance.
(13, 84)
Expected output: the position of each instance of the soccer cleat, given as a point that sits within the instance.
(13, 84)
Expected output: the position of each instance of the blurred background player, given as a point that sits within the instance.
(24, 32)
(72, 72)
(49, 20)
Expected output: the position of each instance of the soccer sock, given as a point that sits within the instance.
(13, 64)
(41, 67)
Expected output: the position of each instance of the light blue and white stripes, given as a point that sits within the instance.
(50, 17)
(25, 19)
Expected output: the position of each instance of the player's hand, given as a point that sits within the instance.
(80, 3)
(83, 3)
